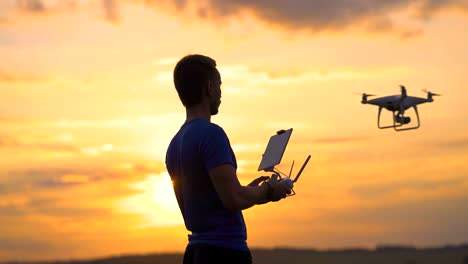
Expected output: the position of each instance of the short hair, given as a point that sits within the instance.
(191, 74)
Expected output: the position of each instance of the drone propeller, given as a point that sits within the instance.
(364, 94)
(431, 93)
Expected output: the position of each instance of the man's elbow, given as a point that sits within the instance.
(233, 204)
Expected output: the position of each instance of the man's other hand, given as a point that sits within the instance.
(257, 181)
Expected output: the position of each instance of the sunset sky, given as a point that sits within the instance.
(88, 107)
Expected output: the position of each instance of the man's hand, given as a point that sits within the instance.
(280, 190)
(257, 181)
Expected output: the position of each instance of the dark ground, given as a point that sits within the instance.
(381, 255)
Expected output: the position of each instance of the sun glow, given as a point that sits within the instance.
(163, 194)
(156, 201)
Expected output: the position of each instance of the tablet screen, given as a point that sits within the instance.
(275, 150)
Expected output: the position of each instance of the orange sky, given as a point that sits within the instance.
(87, 109)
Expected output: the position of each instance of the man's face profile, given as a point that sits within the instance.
(215, 98)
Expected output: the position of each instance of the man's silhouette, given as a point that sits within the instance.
(203, 167)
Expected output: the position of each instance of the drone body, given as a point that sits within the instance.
(398, 104)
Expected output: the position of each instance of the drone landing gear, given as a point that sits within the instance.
(399, 120)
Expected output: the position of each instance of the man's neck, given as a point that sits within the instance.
(198, 111)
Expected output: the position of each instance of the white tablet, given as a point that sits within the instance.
(275, 150)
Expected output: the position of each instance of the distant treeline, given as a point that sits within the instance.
(384, 254)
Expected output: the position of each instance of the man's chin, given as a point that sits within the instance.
(215, 109)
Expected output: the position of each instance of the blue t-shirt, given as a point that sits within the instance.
(198, 147)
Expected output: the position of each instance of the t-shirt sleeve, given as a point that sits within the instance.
(215, 149)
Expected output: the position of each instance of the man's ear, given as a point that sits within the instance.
(209, 88)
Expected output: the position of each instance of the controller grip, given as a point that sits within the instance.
(287, 182)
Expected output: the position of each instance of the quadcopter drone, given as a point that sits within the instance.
(398, 104)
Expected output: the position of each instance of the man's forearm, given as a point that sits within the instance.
(249, 196)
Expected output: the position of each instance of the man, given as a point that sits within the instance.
(203, 167)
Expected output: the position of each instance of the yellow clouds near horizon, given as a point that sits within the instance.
(157, 202)
(87, 109)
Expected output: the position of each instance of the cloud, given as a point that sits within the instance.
(109, 7)
(74, 179)
(171, 61)
(429, 7)
(10, 210)
(247, 147)
(57, 145)
(111, 10)
(372, 191)
(9, 189)
(64, 192)
(23, 245)
(52, 207)
(148, 120)
(44, 7)
(323, 15)
(3, 21)
(24, 180)
(334, 140)
(60, 178)
(64, 177)
(52, 191)
(9, 77)
(35, 6)
(443, 145)
(422, 222)
(313, 16)
(457, 143)
(411, 33)
(17, 181)
(7, 141)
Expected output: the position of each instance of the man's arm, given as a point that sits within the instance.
(237, 197)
